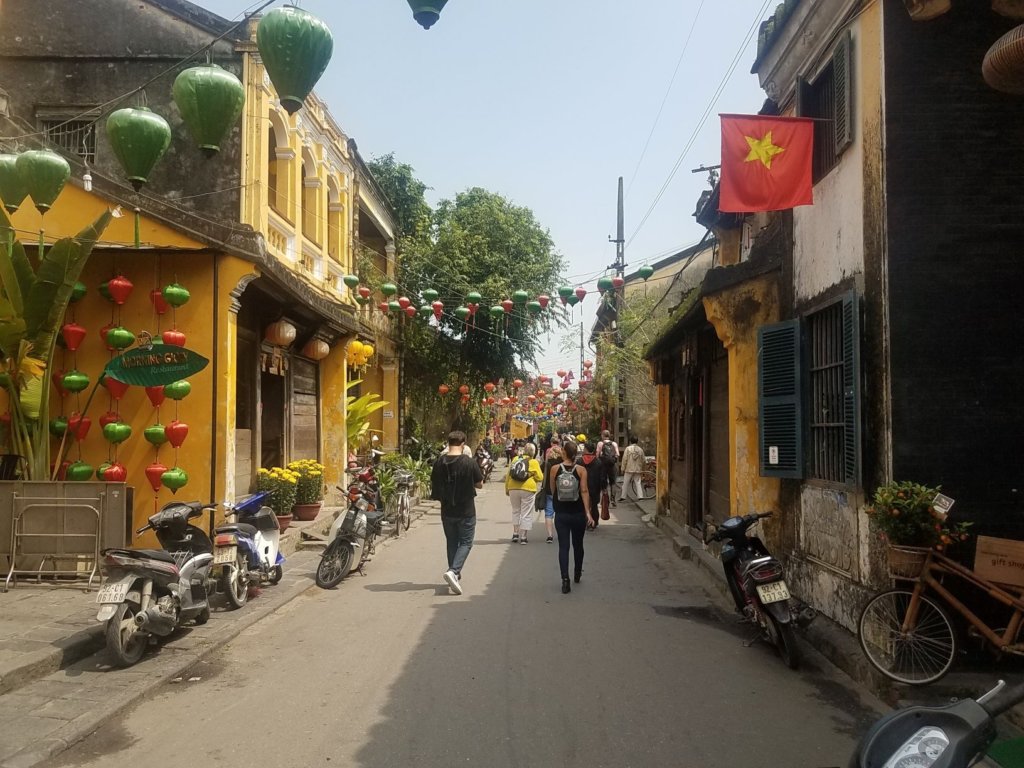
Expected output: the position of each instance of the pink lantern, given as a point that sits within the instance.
(403, 301)
(438, 308)
(507, 305)
(409, 311)
(543, 300)
(580, 293)
(618, 282)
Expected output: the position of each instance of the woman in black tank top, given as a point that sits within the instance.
(572, 518)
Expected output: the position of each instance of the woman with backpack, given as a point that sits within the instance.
(570, 497)
(552, 457)
(521, 488)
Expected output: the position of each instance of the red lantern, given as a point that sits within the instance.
(489, 387)
(78, 426)
(438, 308)
(403, 302)
(531, 398)
(472, 308)
(120, 288)
(383, 307)
(73, 335)
(507, 305)
(505, 401)
(155, 395)
(588, 364)
(464, 389)
(114, 387)
(490, 401)
(159, 302)
(154, 473)
(115, 473)
(409, 311)
(103, 335)
(58, 381)
(561, 373)
(109, 418)
(174, 337)
(465, 398)
(443, 389)
(364, 291)
(176, 433)
(618, 282)
(517, 383)
(540, 393)
(580, 293)
(543, 300)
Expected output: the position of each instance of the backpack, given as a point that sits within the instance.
(520, 470)
(567, 485)
(608, 456)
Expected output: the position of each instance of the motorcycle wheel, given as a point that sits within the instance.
(784, 639)
(125, 643)
(334, 565)
(202, 618)
(275, 574)
(236, 582)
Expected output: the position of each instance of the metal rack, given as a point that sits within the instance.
(76, 537)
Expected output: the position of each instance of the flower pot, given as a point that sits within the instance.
(283, 521)
(307, 512)
(906, 562)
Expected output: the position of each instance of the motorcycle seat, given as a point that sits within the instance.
(243, 528)
(152, 554)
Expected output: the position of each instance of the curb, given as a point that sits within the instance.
(78, 729)
(82, 643)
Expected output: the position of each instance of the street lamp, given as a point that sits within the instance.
(426, 12)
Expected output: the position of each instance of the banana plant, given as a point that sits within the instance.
(357, 413)
(33, 299)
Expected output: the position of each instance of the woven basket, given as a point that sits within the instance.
(906, 562)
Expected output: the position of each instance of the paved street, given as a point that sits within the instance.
(637, 667)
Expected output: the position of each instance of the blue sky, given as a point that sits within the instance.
(548, 102)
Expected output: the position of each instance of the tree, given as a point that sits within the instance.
(405, 192)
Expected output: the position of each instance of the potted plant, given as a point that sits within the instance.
(282, 484)
(309, 493)
(907, 520)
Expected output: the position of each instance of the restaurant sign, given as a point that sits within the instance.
(155, 365)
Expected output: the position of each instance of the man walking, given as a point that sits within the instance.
(453, 481)
(632, 466)
(608, 454)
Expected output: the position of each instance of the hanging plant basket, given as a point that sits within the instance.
(906, 562)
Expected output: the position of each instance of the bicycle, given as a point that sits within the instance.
(648, 486)
(398, 510)
(909, 635)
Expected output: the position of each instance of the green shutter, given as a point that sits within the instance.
(851, 389)
(779, 399)
(842, 66)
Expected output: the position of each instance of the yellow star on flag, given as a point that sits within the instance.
(762, 149)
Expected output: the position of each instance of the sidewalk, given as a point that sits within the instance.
(55, 688)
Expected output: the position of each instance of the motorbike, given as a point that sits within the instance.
(757, 584)
(352, 535)
(246, 549)
(950, 736)
(148, 593)
(485, 462)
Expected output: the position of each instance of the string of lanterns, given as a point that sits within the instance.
(514, 399)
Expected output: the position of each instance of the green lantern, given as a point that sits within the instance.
(497, 311)
(352, 281)
(295, 47)
(520, 297)
(210, 100)
(572, 300)
(426, 12)
(78, 472)
(425, 310)
(44, 174)
(394, 307)
(430, 295)
(139, 138)
(362, 300)
(389, 289)
(565, 292)
(605, 284)
(78, 292)
(462, 313)
(473, 298)
(12, 190)
(646, 271)
(534, 307)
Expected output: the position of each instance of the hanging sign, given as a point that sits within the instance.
(155, 365)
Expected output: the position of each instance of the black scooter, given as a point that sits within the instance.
(757, 583)
(151, 592)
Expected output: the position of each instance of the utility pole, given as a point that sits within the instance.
(581, 355)
(620, 270)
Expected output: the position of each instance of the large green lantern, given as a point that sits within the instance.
(44, 174)
(139, 138)
(426, 12)
(646, 271)
(605, 284)
(210, 100)
(389, 289)
(520, 297)
(12, 190)
(295, 47)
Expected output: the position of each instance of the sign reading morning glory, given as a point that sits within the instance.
(155, 365)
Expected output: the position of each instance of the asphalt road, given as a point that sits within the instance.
(641, 665)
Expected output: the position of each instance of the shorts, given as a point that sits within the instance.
(549, 509)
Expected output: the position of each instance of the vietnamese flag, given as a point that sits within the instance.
(766, 163)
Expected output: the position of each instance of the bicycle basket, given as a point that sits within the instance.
(906, 562)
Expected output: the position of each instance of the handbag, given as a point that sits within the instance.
(540, 499)
(604, 505)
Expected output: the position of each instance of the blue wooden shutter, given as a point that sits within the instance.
(780, 409)
(842, 78)
(851, 390)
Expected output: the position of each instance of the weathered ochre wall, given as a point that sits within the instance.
(736, 315)
(333, 380)
(664, 457)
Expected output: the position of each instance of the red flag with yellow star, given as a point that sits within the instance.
(766, 163)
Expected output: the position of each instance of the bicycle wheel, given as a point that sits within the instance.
(392, 514)
(923, 654)
(648, 484)
(404, 512)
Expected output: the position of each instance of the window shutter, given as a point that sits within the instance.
(851, 389)
(800, 97)
(779, 399)
(842, 66)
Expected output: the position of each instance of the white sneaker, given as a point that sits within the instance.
(453, 581)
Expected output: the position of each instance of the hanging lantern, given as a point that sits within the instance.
(464, 399)
(497, 311)
(543, 300)
(564, 293)
(139, 138)
(517, 383)
(618, 282)
(473, 298)
(156, 395)
(389, 289)
(316, 349)
(443, 389)
(120, 337)
(426, 12)
(280, 334)
(520, 297)
(368, 351)
(383, 307)
(364, 292)
(534, 307)
(463, 390)
(175, 478)
(573, 300)
(604, 284)
(588, 364)
(160, 304)
(429, 295)
(354, 348)
(462, 313)
(404, 301)
(12, 189)
(77, 292)
(362, 301)
(153, 473)
(43, 174)
(173, 337)
(176, 295)
(119, 288)
(560, 373)
(352, 281)
(507, 305)
(438, 308)
(394, 306)
(73, 335)
(425, 311)
(295, 47)
(580, 293)
(176, 432)
(210, 100)
(646, 271)
(410, 311)
(489, 386)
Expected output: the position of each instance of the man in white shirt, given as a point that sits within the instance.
(632, 466)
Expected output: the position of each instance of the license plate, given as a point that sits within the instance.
(225, 555)
(773, 592)
(112, 593)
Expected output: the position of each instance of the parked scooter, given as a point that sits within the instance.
(758, 586)
(350, 541)
(150, 592)
(246, 549)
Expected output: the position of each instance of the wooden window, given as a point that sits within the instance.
(272, 180)
(829, 98)
(779, 400)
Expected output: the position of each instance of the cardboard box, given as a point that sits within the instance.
(1000, 560)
